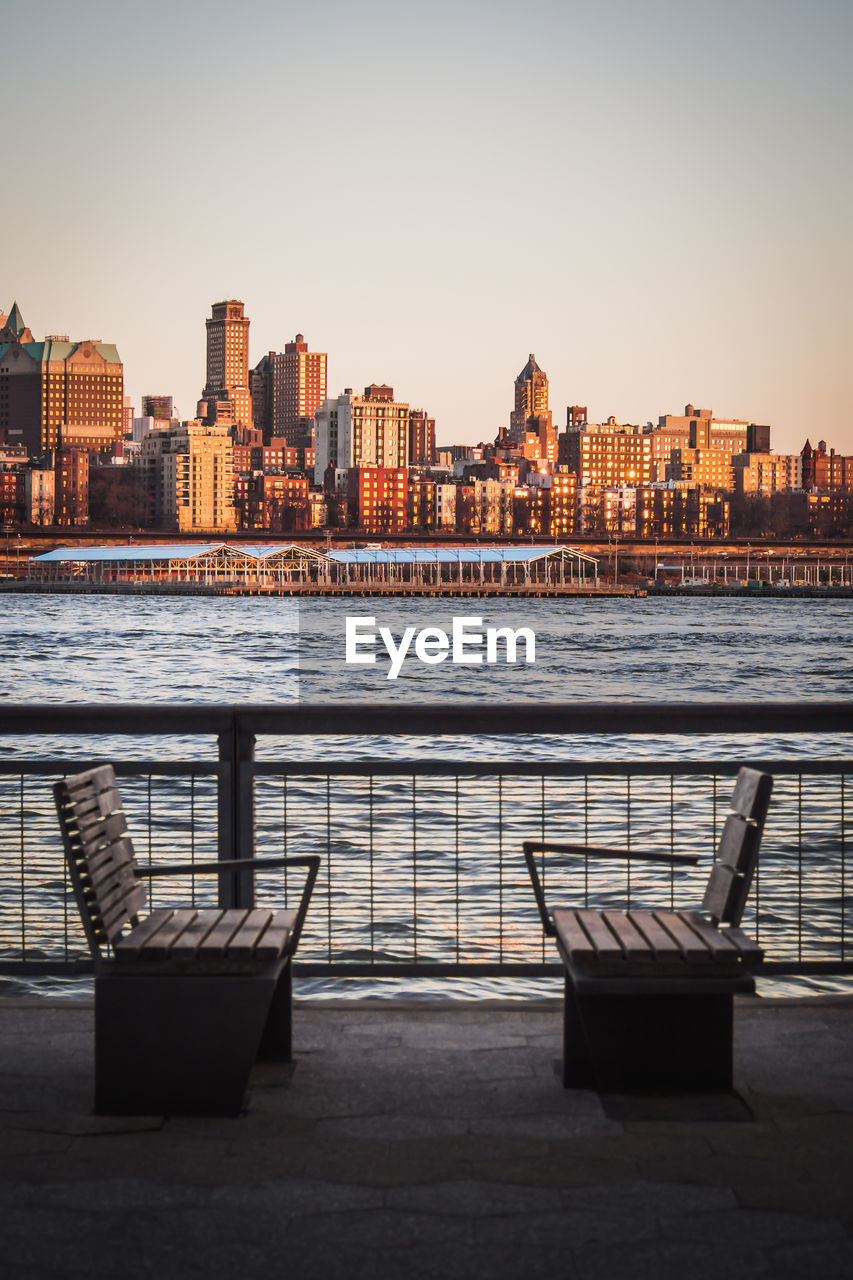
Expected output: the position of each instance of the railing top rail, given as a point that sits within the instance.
(420, 719)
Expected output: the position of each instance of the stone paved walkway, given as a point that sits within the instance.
(434, 1139)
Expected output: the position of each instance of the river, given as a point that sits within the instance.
(129, 649)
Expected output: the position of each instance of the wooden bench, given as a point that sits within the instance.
(185, 999)
(649, 994)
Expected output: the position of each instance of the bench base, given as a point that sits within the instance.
(647, 1041)
(175, 1044)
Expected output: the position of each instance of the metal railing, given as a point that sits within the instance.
(422, 870)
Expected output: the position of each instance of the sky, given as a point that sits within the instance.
(653, 196)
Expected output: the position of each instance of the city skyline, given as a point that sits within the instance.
(652, 201)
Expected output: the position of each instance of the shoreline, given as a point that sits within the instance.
(448, 590)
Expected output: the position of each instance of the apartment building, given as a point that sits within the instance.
(607, 454)
(707, 467)
(767, 473)
(227, 398)
(189, 475)
(378, 498)
(47, 385)
(371, 430)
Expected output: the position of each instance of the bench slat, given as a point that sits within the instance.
(115, 866)
(215, 943)
(120, 852)
(243, 943)
(109, 879)
(572, 936)
(103, 831)
(187, 945)
(606, 946)
(276, 935)
(721, 947)
(751, 797)
(129, 947)
(692, 948)
(719, 890)
(97, 779)
(662, 944)
(738, 843)
(87, 808)
(750, 950)
(159, 945)
(120, 901)
(634, 945)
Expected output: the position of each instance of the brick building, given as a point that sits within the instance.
(607, 454)
(827, 472)
(226, 398)
(371, 430)
(378, 498)
(531, 429)
(189, 475)
(45, 386)
(71, 487)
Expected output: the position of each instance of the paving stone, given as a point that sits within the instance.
(827, 1259)
(546, 1127)
(296, 1196)
(378, 1229)
(654, 1197)
(424, 1140)
(750, 1228)
(391, 1126)
(669, 1260)
(473, 1198)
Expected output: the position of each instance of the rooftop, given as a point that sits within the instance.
(434, 1139)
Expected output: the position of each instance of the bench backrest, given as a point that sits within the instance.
(737, 853)
(99, 853)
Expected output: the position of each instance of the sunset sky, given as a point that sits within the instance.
(654, 197)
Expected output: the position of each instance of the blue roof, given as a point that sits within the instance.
(153, 552)
(443, 555)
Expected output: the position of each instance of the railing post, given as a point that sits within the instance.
(236, 812)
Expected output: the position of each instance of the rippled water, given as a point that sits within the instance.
(242, 650)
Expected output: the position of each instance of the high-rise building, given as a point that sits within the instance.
(226, 394)
(160, 407)
(378, 498)
(826, 471)
(421, 439)
(361, 431)
(531, 394)
(260, 388)
(299, 388)
(287, 388)
(607, 453)
(45, 386)
(767, 473)
(189, 475)
(707, 467)
(531, 429)
(699, 429)
(71, 486)
(127, 416)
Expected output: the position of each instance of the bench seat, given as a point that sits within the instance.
(649, 993)
(665, 946)
(186, 999)
(208, 940)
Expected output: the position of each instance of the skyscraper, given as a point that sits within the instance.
(362, 431)
(47, 387)
(226, 389)
(299, 388)
(160, 407)
(531, 429)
